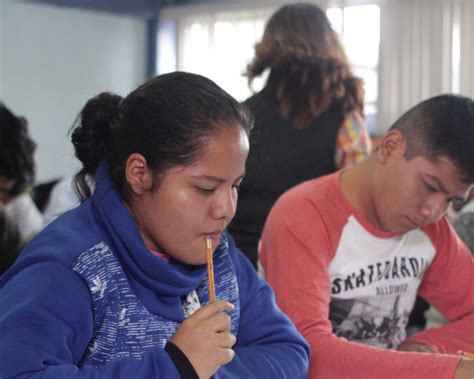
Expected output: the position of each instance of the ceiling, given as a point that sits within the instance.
(137, 8)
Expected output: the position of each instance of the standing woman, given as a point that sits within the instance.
(118, 287)
(308, 118)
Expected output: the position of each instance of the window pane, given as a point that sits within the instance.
(233, 47)
(221, 49)
(335, 17)
(369, 76)
(361, 34)
(196, 49)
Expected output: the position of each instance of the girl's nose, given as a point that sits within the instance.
(224, 205)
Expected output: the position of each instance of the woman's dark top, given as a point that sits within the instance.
(280, 157)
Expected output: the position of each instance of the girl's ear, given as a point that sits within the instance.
(393, 144)
(137, 174)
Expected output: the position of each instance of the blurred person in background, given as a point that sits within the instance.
(10, 241)
(69, 192)
(17, 173)
(308, 118)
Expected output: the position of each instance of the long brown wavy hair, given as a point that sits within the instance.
(308, 64)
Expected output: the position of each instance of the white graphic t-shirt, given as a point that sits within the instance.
(374, 282)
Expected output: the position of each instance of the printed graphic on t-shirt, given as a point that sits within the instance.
(191, 304)
(377, 323)
(383, 275)
(374, 282)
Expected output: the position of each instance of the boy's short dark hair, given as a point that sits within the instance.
(441, 126)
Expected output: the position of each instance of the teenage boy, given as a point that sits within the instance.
(347, 253)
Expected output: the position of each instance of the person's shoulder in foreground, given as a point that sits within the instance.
(119, 287)
(348, 253)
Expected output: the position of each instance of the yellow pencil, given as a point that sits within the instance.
(210, 270)
(467, 355)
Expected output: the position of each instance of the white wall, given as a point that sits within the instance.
(53, 59)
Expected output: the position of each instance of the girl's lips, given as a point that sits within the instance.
(214, 237)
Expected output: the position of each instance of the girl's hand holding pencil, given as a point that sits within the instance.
(205, 338)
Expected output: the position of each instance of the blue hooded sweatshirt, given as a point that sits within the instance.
(87, 299)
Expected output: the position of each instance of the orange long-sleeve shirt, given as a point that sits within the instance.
(349, 287)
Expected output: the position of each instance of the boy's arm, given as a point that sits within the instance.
(448, 285)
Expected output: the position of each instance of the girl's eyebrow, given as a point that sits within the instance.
(209, 177)
(214, 178)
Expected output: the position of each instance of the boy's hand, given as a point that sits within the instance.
(465, 369)
(417, 347)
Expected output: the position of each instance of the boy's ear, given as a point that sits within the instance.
(393, 144)
(137, 174)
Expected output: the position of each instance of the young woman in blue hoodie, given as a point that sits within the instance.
(118, 287)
